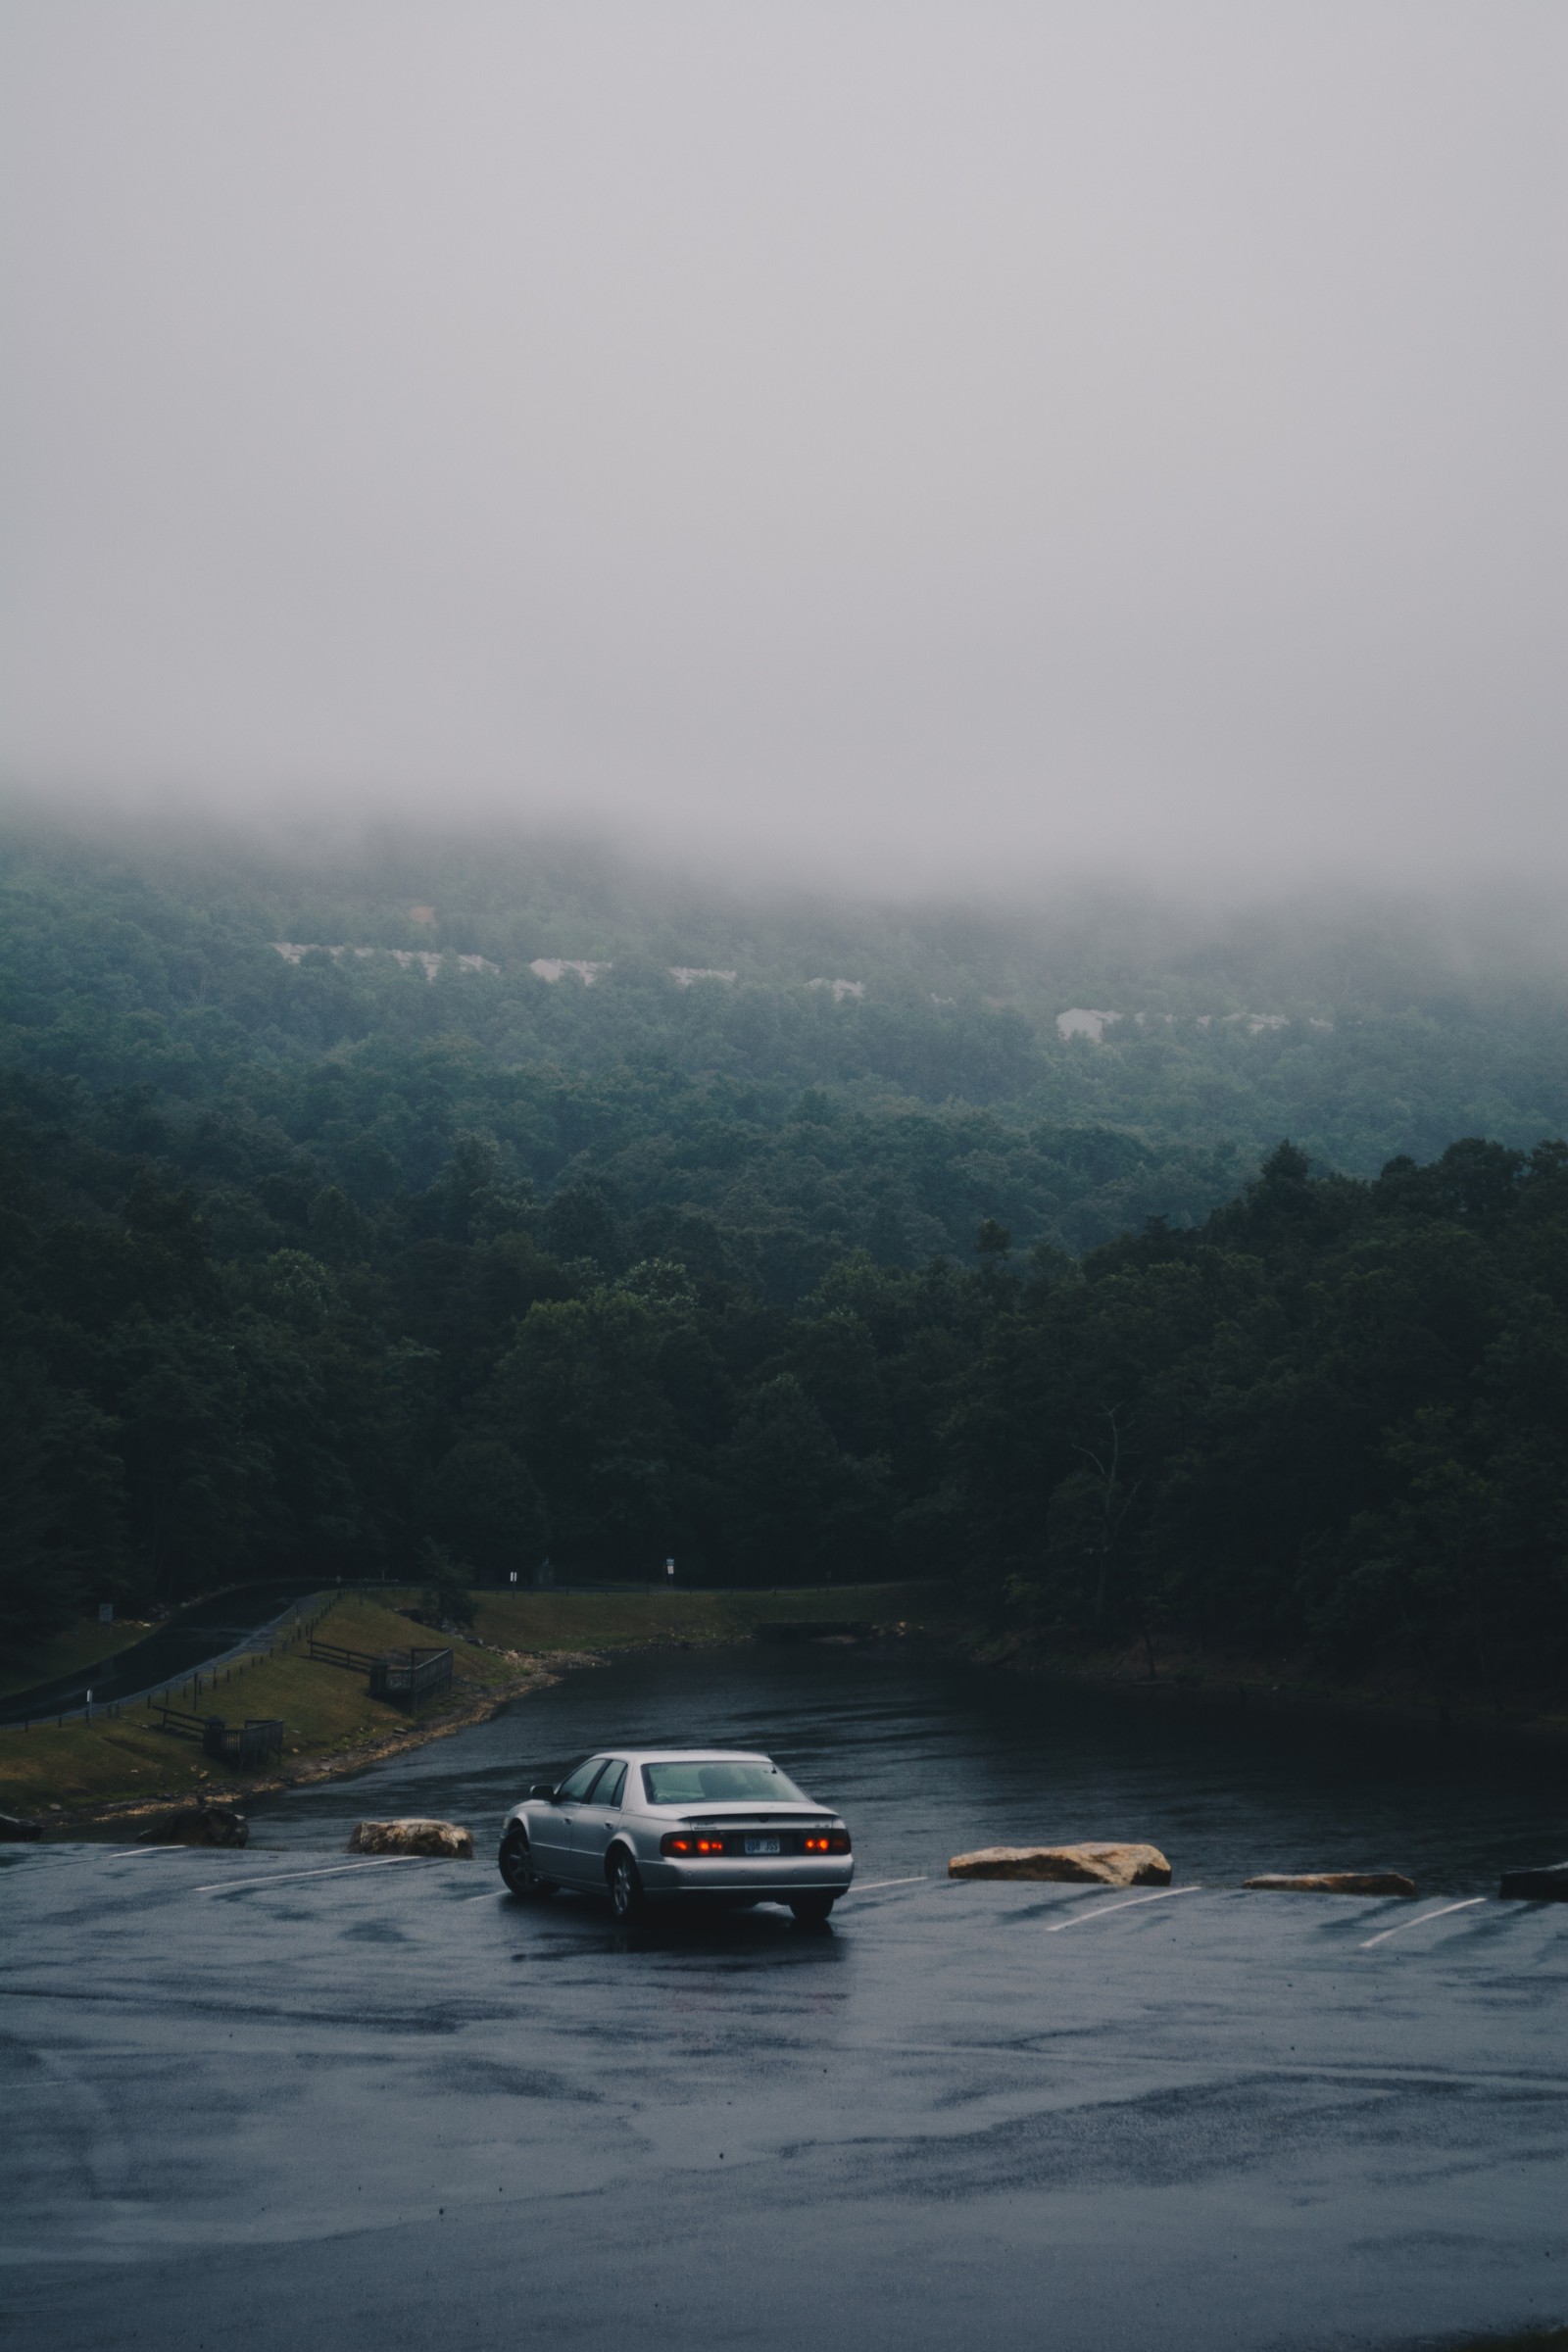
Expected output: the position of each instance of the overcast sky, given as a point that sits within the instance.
(922, 441)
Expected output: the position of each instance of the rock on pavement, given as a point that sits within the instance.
(1336, 1882)
(1080, 1865)
(438, 1837)
(198, 1825)
(1548, 1886)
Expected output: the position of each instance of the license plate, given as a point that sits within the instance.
(764, 1845)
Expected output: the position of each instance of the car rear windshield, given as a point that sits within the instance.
(701, 1783)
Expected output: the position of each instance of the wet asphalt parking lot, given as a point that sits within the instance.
(295, 2096)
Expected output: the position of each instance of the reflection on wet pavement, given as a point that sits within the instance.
(928, 1761)
(320, 2099)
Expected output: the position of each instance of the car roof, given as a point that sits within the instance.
(687, 1756)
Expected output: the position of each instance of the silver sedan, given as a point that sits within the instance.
(646, 1825)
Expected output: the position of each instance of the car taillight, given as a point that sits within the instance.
(688, 1843)
(831, 1841)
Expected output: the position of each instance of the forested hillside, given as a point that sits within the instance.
(1361, 1030)
(317, 1264)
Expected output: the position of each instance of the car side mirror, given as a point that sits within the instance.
(541, 1793)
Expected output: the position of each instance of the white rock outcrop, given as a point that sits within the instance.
(1082, 1020)
(556, 968)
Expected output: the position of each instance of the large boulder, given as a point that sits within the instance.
(439, 1838)
(1548, 1886)
(198, 1825)
(1334, 1882)
(1078, 1865)
(15, 1832)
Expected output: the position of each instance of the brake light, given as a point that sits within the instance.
(687, 1842)
(831, 1842)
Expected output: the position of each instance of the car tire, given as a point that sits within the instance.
(626, 1897)
(811, 1910)
(516, 1868)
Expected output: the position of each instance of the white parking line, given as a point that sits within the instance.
(1424, 1921)
(275, 1878)
(870, 1886)
(1104, 1910)
(80, 1856)
(144, 1853)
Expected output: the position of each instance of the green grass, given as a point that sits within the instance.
(545, 1621)
(81, 1644)
(326, 1712)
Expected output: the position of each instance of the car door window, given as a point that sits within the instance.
(577, 1785)
(608, 1790)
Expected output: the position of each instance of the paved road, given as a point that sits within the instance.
(386, 2105)
(210, 1633)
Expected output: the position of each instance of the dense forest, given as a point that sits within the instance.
(316, 1263)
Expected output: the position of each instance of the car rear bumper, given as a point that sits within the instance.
(765, 1878)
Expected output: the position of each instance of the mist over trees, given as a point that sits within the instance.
(312, 1266)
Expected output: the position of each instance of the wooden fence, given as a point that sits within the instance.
(404, 1678)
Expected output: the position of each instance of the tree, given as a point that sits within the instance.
(484, 1502)
(795, 1507)
(446, 1598)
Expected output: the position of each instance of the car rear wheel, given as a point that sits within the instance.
(625, 1885)
(811, 1909)
(516, 1868)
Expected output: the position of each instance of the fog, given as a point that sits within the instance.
(919, 444)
